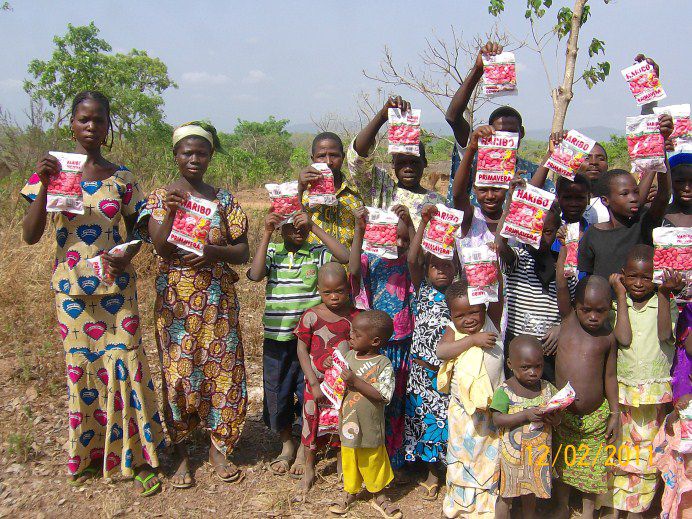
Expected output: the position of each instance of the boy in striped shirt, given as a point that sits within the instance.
(291, 271)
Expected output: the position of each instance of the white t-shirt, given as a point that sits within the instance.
(596, 212)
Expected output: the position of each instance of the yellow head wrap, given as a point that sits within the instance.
(187, 130)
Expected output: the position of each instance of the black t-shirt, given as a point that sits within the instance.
(603, 252)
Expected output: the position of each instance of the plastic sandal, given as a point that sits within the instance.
(147, 492)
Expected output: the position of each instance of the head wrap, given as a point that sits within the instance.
(680, 159)
(198, 129)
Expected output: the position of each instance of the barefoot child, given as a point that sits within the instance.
(643, 328)
(471, 371)
(385, 284)
(586, 358)
(524, 453)
(426, 408)
(320, 331)
(370, 385)
(291, 271)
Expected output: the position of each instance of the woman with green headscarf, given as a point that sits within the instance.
(196, 310)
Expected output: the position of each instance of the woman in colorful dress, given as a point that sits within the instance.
(196, 309)
(113, 419)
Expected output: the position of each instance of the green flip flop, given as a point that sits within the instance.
(147, 492)
(82, 477)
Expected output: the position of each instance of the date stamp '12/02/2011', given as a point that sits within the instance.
(582, 456)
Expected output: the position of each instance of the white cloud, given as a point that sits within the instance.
(10, 85)
(205, 78)
(255, 76)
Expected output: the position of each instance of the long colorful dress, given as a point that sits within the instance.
(321, 337)
(113, 418)
(426, 408)
(197, 333)
(386, 285)
(676, 473)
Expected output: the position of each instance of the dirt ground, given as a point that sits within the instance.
(33, 417)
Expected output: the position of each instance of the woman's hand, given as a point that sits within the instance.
(46, 167)
(174, 200)
(207, 259)
(117, 264)
(361, 214)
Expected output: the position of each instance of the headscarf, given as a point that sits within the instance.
(199, 129)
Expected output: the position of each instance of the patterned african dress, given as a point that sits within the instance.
(321, 337)
(524, 462)
(386, 285)
(426, 408)
(197, 333)
(113, 418)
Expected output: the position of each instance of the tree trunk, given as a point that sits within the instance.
(562, 95)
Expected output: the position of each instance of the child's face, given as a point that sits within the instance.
(490, 199)
(550, 228)
(402, 238)
(593, 311)
(294, 235)
(408, 169)
(682, 185)
(362, 336)
(596, 164)
(623, 196)
(526, 363)
(328, 152)
(440, 272)
(467, 318)
(334, 292)
(573, 200)
(638, 278)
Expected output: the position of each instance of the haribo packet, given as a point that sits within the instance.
(64, 192)
(570, 154)
(380, 236)
(644, 83)
(572, 246)
(192, 224)
(672, 250)
(284, 198)
(101, 268)
(682, 127)
(645, 144)
(499, 74)
(482, 274)
(527, 212)
(560, 401)
(404, 131)
(322, 191)
(441, 230)
(333, 386)
(497, 159)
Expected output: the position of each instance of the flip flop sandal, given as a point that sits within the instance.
(87, 474)
(184, 485)
(236, 477)
(431, 491)
(385, 506)
(285, 457)
(147, 492)
(340, 507)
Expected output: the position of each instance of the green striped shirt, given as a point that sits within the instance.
(291, 287)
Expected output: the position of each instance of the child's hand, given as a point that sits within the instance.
(672, 282)
(550, 340)
(485, 339)
(517, 182)
(427, 213)
(555, 139)
(552, 418)
(403, 213)
(665, 123)
(534, 414)
(613, 429)
(683, 402)
(482, 132)
(562, 235)
(348, 377)
(307, 176)
(489, 49)
(361, 214)
(327, 362)
(272, 221)
(174, 199)
(396, 102)
(640, 57)
(46, 167)
(317, 393)
(302, 221)
(616, 281)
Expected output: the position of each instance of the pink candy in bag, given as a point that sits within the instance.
(404, 131)
(439, 234)
(526, 216)
(572, 245)
(482, 274)
(499, 74)
(673, 250)
(682, 128)
(192, 224)
(101, 268)
(380, 236)
(570, 154)
(284, 198)
(333, 386)
(644, 83)
(65, 188)
(560, 401)
(645, 144)
(322, 191)
(497, 159)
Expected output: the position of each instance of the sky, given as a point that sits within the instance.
(303, 60)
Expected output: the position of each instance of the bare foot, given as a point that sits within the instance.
(298, 467)
(182, 477)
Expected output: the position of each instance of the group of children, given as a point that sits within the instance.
(462, 387)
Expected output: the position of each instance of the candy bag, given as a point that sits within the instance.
(284, 198)
(645, 144)
(439, 234)
(322, 191)
(673, 250)
(560, 401)
(333, 386)
(570, 154)
(686, 430)
(499, 74)
(572, 245)
(644, 83)
(526, 216)
(381, 233)
(497, 159)
(328, 421)
(404, 131)
(682, 128)
(192, 224)
(101, 268)
(482, 274)
(65, 188)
